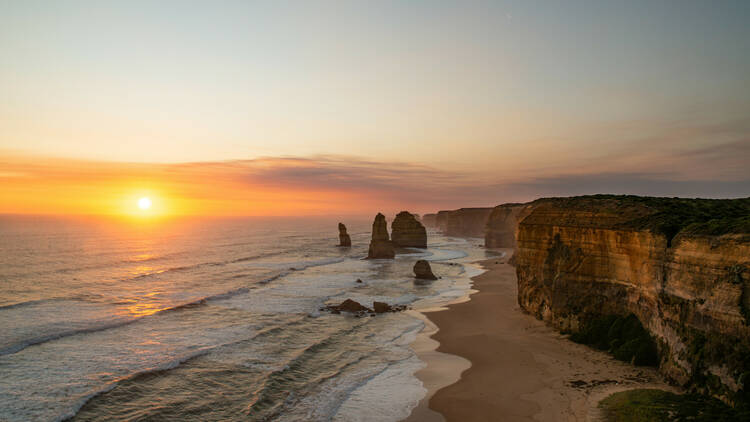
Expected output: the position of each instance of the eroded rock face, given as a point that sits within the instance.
(423, 271)
(381, 246)
(429, 220)
(344, 239)
(577, 259)
(463, 222)
(467, 222)
(407, 231)
(502, 225)
(441, 220)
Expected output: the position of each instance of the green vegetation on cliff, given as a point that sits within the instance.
(667, 216)
(624, 337)
(657, 405)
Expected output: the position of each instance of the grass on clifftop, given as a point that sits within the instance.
(669, 216)
(657, 405)
(624, 337)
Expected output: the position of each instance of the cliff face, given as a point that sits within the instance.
(502, 225)
(441, 220)
(429, 220)
(466, 222)
(407, 231)
(579, 258)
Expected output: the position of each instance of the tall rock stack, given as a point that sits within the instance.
(380, 245)
(407, 231)
(344, 239)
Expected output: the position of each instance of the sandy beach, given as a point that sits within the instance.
(520, 369)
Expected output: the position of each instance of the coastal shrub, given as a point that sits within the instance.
(658, 405)
(668, 216)
(623, 336)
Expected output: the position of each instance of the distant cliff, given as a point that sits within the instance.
(502, 224)
(441, 220)
(463, 222)
(681, 266)
(429, 220)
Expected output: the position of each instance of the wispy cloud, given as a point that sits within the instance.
(333, 184)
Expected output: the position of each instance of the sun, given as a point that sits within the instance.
(144, 203)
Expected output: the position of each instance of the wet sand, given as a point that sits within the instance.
(521, 370)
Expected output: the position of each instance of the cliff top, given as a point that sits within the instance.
(667, 216)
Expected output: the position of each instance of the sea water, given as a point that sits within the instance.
(210, 319)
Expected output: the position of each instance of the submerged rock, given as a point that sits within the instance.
(380, 245)
(408, 231)
(423, 271)
(344, 239)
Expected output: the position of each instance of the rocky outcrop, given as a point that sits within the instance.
(382, 307)
(502, 224)
(423, 271)
(380, 245)
(344, 239)
(463, 222)
(682, 267)
(356, 308)
(407, 231)
(429, 220)
(349, 306)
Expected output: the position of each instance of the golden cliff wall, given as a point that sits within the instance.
(691, 292)
(463, 222)
(467, 222)
(502, 225)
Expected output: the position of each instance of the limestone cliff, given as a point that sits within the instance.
(380, 245)
(467, 222)
(681, 266)
(441, 220)
(502, 224)
(463, 222)
(407, 231)
(429, 220)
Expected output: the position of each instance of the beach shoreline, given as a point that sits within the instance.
(515, 367)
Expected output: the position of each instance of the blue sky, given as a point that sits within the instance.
(513, 91)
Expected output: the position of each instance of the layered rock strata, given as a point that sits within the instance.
(380, 245)
(407, 231)
(682, 267)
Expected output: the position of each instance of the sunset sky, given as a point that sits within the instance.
(318, 107)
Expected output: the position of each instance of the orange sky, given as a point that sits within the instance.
(333, 185)
(290, 186)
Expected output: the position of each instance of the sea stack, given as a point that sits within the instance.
(423, 271)
(344, 239)
(408, 231)
(380, 245)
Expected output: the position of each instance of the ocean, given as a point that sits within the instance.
(211, 320)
